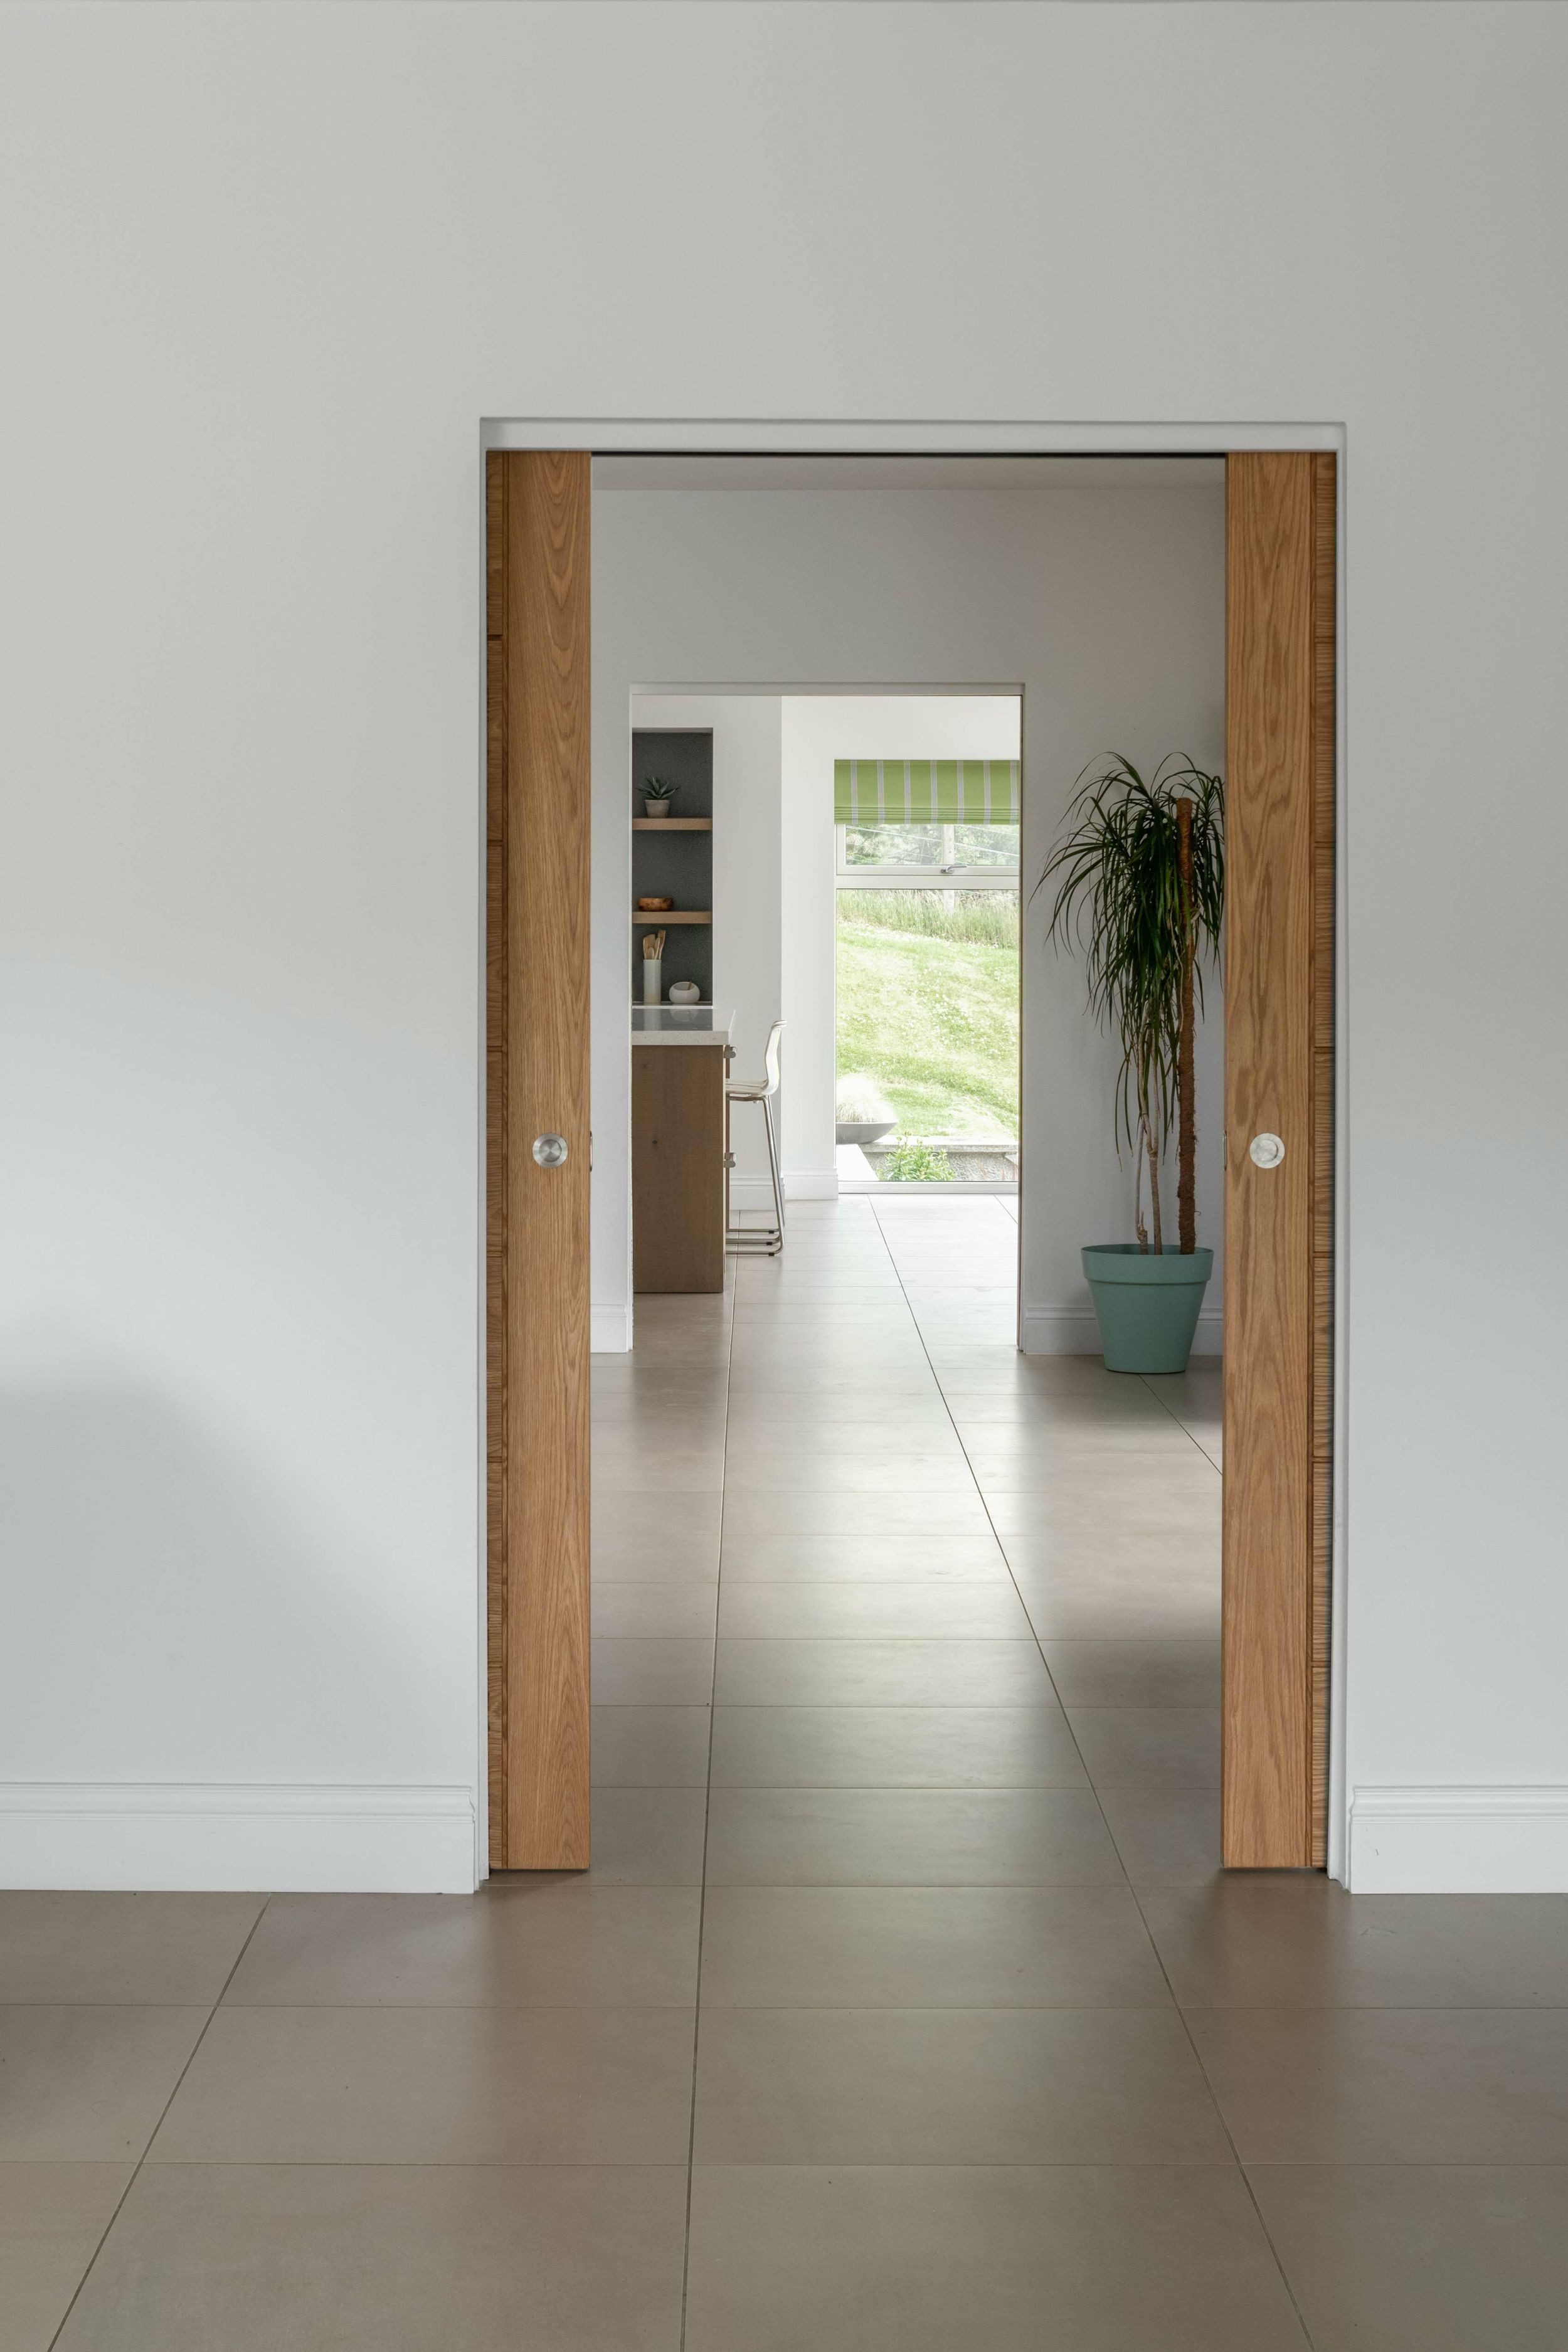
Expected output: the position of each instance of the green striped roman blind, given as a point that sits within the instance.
(925, 792)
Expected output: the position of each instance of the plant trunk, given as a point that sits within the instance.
(1147, 1150)
(1154, 1143)
(1186, 1127)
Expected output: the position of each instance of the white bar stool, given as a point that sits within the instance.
(766, 1241)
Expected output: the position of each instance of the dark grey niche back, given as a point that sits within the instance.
(678, 865)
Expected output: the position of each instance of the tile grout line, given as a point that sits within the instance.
(1181, 2008)
(707, 1818)
(1137, 1903)
(158, 2126)
(1224, 2124)
(1217, 1467)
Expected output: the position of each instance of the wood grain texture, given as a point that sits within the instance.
(537, 1219)
(1324, 744)
(496, 1620)
(677, 1166)
(1271, 703)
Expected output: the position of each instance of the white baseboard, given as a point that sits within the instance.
(1073, 1331)
(1458, 1840)
(609, 1331)
(811, 1183)
(216, 1837)
(748, 1193)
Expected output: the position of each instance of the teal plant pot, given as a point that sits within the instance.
(1147, 1305)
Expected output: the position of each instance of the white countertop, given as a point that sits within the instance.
(681, 1024)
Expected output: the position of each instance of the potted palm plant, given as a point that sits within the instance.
(1140, 893)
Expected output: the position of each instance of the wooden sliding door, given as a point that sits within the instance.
(1278, 1277)
(537, 1194)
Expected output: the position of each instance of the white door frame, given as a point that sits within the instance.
(889, 438)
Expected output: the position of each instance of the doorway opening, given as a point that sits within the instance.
(806, 1324)
(927, 849)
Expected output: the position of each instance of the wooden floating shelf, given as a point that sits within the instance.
(672, 824)
(657, 921)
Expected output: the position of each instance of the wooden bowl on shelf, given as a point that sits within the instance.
(655, 905)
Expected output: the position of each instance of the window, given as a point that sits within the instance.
(938, 823)
(927, 917)
(939, 856)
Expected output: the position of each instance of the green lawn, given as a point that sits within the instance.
(928, 1006)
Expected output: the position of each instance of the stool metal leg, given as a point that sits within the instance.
(774, 1167)
(764, 1241)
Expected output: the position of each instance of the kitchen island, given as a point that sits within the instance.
(680, 1060)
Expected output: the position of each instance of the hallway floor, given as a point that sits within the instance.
(904, 2008)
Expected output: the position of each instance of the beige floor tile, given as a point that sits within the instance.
(676, 1352)
(84, 2086)
(1149, 1746)
(1423, 2257)
(952, 2087)
(963, 1612)
(927, 1947)
(689, 1521)
(1121, 1498)
(622, 1387)
(871, 1559)
(643, 1611)
(959, 1512)
(51, 2219)
(1135, 1674)
(906, 1672)
(1062, 1405)
(660, 1549)
(331, 2086)
(688, 1411)
(894, 1747)
(651, 1469)
(772, 1374)
(647, 1837)
(111, 1948)
(1002, 1370)
(908, 1837)
(1001, 2258)
(767, 1413)
(1297, 1940)
(831, 1310)
(1121, 1595)
(652, 1672)
(650, 1746)
(1389, 2085)
(1166, 1837)
(523, 1942)
(795, 1424)
(1046, 1458)
(386, 2258)
(908, 1477)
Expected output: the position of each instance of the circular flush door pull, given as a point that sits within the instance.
(550, 1151)
(1264, 1150)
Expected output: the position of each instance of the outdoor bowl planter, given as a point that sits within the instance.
(863, 1130)
(1147, 1304)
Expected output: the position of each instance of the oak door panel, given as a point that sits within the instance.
(537, 1322)
(1279, 1081)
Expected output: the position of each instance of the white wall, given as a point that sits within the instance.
(818, 730)
(1096, 589)
(264, 271)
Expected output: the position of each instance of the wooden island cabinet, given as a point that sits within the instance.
(681, 1061)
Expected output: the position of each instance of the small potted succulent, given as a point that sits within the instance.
(1140, 877)
(656, 797)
